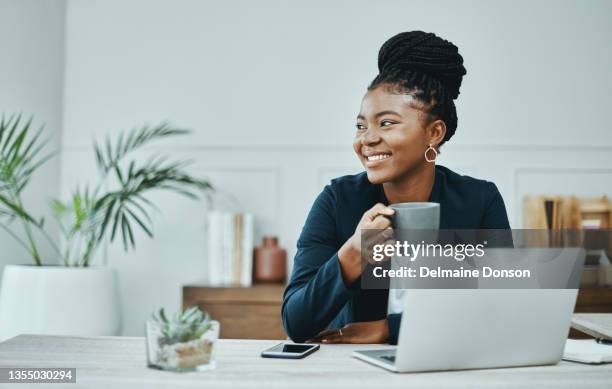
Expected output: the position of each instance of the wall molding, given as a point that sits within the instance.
(327, 147)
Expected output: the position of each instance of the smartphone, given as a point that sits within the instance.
(290, 350)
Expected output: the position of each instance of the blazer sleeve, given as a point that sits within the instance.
(494, 216)
(316, 291)
(495, 219)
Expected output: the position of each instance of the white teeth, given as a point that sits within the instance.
(378, 157)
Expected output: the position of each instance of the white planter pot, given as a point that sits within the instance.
(59, 300)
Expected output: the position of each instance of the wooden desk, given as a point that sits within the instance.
(119, 362)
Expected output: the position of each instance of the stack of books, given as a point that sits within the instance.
(591, 215)
(229, 240)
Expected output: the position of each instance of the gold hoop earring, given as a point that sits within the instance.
(435, 153)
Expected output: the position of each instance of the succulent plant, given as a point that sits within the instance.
(183, 326)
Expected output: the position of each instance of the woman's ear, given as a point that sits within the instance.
(436, 131)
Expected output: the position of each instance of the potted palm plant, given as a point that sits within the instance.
(67, 295)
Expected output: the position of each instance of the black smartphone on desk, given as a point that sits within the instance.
(290, 350)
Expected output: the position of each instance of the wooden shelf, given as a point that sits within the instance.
(594, 300)
(244, 313)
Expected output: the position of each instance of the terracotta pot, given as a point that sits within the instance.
(270, 261)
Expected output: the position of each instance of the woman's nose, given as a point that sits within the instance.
(369, 137)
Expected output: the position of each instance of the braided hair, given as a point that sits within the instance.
(426, 67)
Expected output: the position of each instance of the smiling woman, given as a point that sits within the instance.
(407, 113)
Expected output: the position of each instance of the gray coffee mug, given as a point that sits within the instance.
(416, 216)
(411, 216)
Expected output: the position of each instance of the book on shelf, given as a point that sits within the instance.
(229, 242)
(591, 215)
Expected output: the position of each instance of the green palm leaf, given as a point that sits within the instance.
(20, 157)
(127, 206)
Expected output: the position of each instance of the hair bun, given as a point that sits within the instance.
(418, 51)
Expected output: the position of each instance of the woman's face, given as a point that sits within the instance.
(390, 139)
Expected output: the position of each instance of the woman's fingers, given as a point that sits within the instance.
(379, 209)
(372, 237)
(388, 232)
(378, 235)
(360, 332)
(323, 334)
(370, 254)
(342, 335)
(380, 222)
(334, 339)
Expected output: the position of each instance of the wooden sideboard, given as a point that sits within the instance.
(244, 313)
(254, 313)
(594, 300)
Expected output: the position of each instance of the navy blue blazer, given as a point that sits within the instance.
(316, 297)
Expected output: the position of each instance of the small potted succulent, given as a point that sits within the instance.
(182, 342)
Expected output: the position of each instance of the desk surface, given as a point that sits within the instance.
(119, 362)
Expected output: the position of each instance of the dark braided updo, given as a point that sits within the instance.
(426, 67)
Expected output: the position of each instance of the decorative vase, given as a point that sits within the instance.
(59, 300)
(270, 261)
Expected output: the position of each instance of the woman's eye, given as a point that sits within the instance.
(360, 126)
(386, 123)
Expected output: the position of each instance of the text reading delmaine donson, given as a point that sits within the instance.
(458, 252)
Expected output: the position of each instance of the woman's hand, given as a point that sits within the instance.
(351, 252)
(363, 332)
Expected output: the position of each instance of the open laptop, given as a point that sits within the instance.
(452, 329)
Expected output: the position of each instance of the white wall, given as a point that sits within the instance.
(31, 83)
(271, 90)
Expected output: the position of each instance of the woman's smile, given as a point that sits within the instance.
(376, 159)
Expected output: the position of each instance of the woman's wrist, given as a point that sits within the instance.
(350, 262)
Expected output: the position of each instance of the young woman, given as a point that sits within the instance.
(407, 113)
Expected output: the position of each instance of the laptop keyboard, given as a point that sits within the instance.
(390, 358)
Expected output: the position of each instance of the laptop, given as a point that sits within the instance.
(455, 329)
